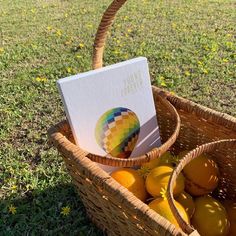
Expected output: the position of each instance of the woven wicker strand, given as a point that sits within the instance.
(201, 111)
(96, 187)
(205, 148)
(101, 35)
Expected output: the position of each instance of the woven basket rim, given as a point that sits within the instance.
(201, 111)
(69, 149)
(191, 155)
(99, 177)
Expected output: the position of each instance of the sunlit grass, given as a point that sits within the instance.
(190, 46)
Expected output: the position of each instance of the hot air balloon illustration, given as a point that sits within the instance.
(117, 132)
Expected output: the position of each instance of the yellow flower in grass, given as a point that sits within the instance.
(34, 46)
(1, 50)
(126, 56)
(4, 13)
(187, 73)
(225, 60)
(162, 81)
(58, 33)
(163, 84)
(81, 45)
(69, 69)
(65, 211)
(116, 52)
(41, 79)
(174, 25)
(13, 187)
(84, 10)
(12, 209)
(200, 63)
(89, 26)
(49, 28)
(205, 71)
(229, 44)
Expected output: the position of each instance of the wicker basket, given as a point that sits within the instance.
(223, 152)
(109, 205)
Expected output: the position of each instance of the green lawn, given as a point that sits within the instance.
(190, 46)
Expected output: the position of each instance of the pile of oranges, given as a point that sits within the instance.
(191, 191)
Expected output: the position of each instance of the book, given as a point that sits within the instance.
(111, 110)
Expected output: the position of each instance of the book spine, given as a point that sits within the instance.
(67, 112)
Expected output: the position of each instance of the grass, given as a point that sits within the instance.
(190, 46)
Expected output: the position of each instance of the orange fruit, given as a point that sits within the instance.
(230, 207)
(210, 217)
(132, 180)
(158, 179)
(187, 202)
(161, 206)
(201, 176)
(166, 159)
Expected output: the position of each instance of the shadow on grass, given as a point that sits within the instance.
(39, 213)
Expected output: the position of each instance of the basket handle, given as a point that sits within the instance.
(97, 62)
(101, 35)
(184, 161)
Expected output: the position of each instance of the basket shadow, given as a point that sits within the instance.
(40, 213)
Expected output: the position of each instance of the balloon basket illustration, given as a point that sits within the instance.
(117, 132)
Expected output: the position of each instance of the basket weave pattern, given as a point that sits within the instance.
(112, 207)
(223, 152)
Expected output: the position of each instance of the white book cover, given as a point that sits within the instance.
(111, 110)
